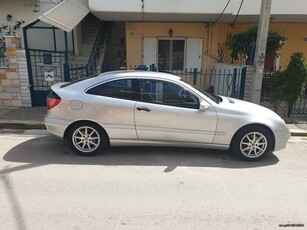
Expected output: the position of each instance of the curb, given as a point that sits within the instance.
(22, 125)
(298, 134)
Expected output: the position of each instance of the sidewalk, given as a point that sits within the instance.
(33, 118)
(22, 118)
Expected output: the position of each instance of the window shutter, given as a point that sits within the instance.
(194, 53)
(149, 52)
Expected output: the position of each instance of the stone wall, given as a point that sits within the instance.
(24, 78)
(14, 81)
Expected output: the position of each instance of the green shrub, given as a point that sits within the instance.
(241, 42)
(287, 85)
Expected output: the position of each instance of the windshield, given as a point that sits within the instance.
(217, 99)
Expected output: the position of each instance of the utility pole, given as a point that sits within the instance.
(262, 35)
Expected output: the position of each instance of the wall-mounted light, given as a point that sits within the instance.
(170, 32)
(8, 17)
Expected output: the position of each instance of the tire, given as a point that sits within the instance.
(252, 143)
(87, 139)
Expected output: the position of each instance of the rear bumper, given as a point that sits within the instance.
(56, 127)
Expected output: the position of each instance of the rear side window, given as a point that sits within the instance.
(122, 89)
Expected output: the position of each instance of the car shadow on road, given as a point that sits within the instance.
(51, 150)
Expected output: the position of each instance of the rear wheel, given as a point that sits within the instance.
(87, 139)
(252, 143)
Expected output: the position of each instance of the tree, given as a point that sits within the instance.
(240, 43)
(287, 85)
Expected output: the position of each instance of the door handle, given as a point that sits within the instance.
(143, 109)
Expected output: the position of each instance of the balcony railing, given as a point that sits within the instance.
(78, 71)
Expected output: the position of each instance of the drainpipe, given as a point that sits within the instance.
(209, 43)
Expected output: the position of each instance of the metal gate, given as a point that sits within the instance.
(46, 51)
(45, 69)
(48, 66)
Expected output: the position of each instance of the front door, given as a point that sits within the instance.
(169, 112)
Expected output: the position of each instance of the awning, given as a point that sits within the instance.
(66, 15)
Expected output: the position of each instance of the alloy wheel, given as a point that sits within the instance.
(86, 139)
(253, 144)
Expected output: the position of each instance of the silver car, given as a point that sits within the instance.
(158, 109)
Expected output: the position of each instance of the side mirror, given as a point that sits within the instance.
(204, 106)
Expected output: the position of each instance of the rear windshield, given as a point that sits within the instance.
(79, 80)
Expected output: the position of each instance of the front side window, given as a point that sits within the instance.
(166, 93)
(171, 54)
(122, 89)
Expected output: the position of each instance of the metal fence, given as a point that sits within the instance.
(266, 82)
(298, 108)
(225, 82)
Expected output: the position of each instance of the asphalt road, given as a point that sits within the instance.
(43, 185)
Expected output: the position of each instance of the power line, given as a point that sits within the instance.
(221, 13)
(234, 21)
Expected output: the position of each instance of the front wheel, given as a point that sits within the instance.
(252, 143)
(87, 139)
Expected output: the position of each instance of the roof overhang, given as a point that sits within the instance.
(173, 17)
(66, 15)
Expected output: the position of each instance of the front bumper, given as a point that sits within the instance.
(282, 137)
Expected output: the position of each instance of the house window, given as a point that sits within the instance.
(171, 54)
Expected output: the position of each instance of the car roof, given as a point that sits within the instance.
(82, 84)
(137, 73)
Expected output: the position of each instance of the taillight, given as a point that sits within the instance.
(52, 100)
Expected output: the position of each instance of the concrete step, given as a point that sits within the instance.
(86, 53)
(87, 46)
(81, 58)
(89, 40)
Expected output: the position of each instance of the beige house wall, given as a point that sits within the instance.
(211, 35)
(295, 33)
(136, 31)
